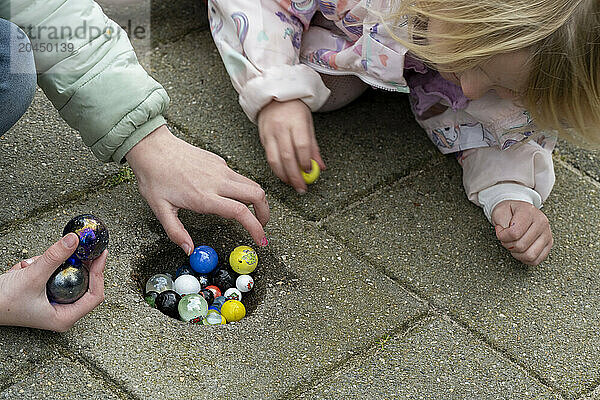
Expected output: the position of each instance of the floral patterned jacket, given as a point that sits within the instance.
(276, 49)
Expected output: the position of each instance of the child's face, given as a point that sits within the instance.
(506, 74)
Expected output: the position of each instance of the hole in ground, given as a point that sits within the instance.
(164, 256)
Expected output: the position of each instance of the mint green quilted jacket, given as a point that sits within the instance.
(100, 88)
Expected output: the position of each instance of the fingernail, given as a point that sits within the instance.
(300, 191)
(69, 241)
(29, 261)
(187, 248)
(264, 242)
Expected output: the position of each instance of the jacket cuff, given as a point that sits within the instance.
(141, 132)
(283, 83)
(489, 198)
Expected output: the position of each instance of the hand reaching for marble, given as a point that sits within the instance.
(173, 174)
(288, 135)
(523, 230)
(23, 299)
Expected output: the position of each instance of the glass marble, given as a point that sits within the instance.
(186, 284)
(167, 303)
(208, 295)
(215, 318)
(204, 280)
(93, 236)
(233, 310)
(192, 306)
(204, 259)
(184, 270)
(68, 283)
(233, 294)
(159, 283)
(244, 283)
(223, 279)
(243, 260)
(218, 302)
(216, 291)
(151, 298)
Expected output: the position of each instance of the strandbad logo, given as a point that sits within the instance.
(104, 22)
(83, 31)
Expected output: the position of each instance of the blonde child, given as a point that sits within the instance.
(478, 74)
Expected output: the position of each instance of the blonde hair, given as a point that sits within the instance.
(563, 91)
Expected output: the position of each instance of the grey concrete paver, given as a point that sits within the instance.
(314, 306)
(368, 143)
(43, 160)
(58, 379)
(585, 160)
(20, 349)
(434, 359)
(441, 246)
(173, 19)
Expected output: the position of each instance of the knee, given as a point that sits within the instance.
(17, 74)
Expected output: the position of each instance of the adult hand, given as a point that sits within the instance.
(23, 299)
(287, 133)
(172, 174)
(523, 230)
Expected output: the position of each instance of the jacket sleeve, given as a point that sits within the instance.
(99, 88)
(259, 42)
(522, 172)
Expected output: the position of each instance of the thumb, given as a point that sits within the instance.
(167, 215)
(502, 215)
(55, 256)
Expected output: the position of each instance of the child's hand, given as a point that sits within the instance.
(288, 136)
(23, 300)
(172, 174)
(523, 230)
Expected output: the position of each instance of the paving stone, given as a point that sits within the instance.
(315, 304)
(371, 142)
(585, 160)
(57, 379)
(20, 349)
(171, 20)
(43, 161)
(156, 21)
(434, 359)
(441, 246)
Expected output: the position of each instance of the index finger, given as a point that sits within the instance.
(287, 153)
(249, 192)
(233, 209)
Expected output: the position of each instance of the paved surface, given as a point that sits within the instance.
(383, 282)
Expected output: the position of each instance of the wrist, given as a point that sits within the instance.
(152, 140)
(489, 198)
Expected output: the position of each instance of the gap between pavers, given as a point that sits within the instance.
(584, 160)
(434, 359)
(320, 306)
(58, 377)
(544, 318)
(43, 160)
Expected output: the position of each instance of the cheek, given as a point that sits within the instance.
(504, 93)
(473, 88)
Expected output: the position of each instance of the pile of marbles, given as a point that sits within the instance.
(202, 293)
(70, 281)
